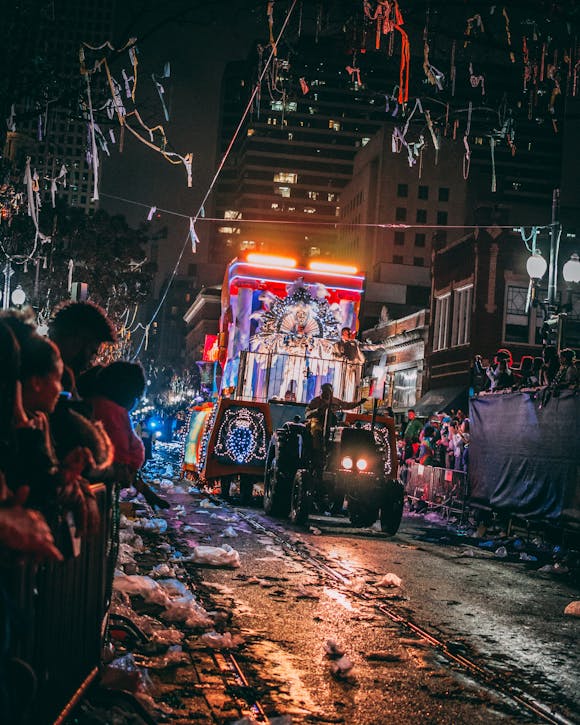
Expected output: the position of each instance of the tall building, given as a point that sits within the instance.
(54, 134)
(296, 150)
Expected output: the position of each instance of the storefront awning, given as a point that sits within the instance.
(442, 399)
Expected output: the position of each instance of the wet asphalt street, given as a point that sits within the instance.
(296, 590)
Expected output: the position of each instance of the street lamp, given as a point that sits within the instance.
(18, 296)
(7, 272)
(536, 267)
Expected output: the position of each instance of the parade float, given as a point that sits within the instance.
(281, 338)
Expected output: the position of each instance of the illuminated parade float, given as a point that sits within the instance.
(279, 342)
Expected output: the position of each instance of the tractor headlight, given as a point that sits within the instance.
(346, 463)
(362, 464)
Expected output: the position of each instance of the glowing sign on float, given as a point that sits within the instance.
(271, 260)
(332, 268)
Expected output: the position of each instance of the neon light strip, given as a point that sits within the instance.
(280, 281)
(296, 270)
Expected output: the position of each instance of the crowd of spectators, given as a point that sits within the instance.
(442, 441)
(54, 444)
(553, 370)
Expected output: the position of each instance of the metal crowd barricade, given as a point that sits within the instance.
(441, 488)
(65, 606)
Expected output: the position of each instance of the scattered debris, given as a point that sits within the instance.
(390, 580)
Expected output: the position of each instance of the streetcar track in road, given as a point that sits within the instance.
(482, 673)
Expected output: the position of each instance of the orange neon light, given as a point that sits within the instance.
(271, 260)
(328, 267)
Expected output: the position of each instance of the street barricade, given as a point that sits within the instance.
(440, 488)
(64, 605)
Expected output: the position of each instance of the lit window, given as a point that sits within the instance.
(441, 326)
(331, 196)
(290, 136)
(285, 177)
(521, 326)
(275, 205)
(248, 244)
(405, 388)
(309, 210)
(227, 230)
(365, 140)
(232, 214)
(334, 125)
(283, 191)
(313, 195)
(251, 132)
(461, 315)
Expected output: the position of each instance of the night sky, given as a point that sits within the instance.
(198, 43)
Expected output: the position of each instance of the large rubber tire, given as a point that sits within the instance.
(361, 514)
(393, 499)
(300, 500)
(277, 487)
(246, 489)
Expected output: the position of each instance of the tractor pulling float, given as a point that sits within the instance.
(278, 344)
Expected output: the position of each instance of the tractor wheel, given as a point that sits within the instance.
(361, 514)
(392, 507)
(246, 489)
(300, 499)
(277, 488)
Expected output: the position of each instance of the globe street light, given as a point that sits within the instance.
(18, 296)
(536, 267)
(571, 270)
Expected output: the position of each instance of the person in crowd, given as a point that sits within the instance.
(466, 436)
(146, 436)
(551, 364)
(411, 433)
(79, 329)
(525, 377)
(24, 536)
(479, 379)
(116, 389)
(500, 374)
(537, 371)
(22, 529)
(567, 375)
(456, 445)
(56, 481)
(427, 446)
